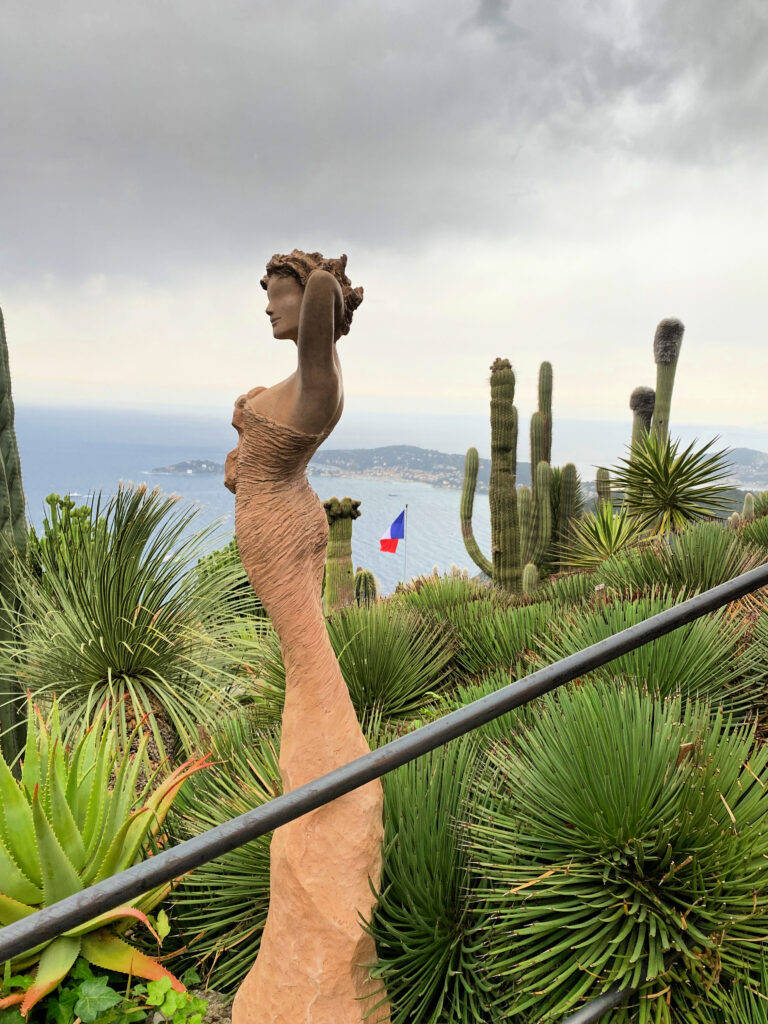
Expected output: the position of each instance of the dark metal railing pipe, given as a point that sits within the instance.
(593, 1011)
(46, 924)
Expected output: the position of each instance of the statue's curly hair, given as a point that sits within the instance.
(300, 265)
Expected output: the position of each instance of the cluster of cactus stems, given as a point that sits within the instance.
(523, 523)
(339, 576)
(651, 409)
(13, 534)
(366, 588)
(746, 515)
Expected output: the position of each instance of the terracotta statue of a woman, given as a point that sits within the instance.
(312, 964)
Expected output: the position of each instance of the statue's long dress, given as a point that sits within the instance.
(311, 964)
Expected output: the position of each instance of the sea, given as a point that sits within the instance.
(83, 451)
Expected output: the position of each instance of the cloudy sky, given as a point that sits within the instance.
(531, 179)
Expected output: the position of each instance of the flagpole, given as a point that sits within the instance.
(405, 542)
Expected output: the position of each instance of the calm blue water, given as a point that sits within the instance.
(81, 451)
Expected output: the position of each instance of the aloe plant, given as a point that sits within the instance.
(76, 816)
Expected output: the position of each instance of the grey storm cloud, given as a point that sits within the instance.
(141, 137)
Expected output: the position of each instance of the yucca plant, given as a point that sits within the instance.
(496, 637)
(756, 533)
(436, 594)
(696, 559)
(466, 692)
(238, 594)
(78, 815)
(430, 951)
(218, 911)
(747, 1002)
(599, 535)
(568, 588)
(121, 611)
(666, 489)
(391, 658)
(698, 660)
(619, 833)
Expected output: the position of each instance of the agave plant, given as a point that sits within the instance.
(698, 558)
(599, 535)
(116, 608)
(698, 660)
(567, 588)
(430, 952)
(624, 842)
(747, 1002)
(492, 637)
(77, 816)
(666, 489)
(391, 658)
(437, 594)
(756, 533)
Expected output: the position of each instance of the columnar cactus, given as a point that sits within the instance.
(603, 484)
(748, 510)
(502, 492)
(525, 522)
(569, 499)
(467, 504)
(541, 423)
(366, 588)
(530, 578)
(339, 577)
(13, 533)
(641, 402)
(666, 351)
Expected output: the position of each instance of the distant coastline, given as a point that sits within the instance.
(405, 463)
(409, 463)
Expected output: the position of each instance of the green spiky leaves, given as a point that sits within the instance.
(618, 833)
(77, 816)
(667, 489)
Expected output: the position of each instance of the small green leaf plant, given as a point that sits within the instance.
(103, 999)
(77, 816)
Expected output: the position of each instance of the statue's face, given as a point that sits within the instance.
(284, 295)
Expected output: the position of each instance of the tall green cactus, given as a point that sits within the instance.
(366, 588)
(641, 402)
(339, 577)
(567, 505)
(467, 505)
(502, 490)
(530, 578)
(603, 484)
(666, 352)
(13, 536)
(525, 522)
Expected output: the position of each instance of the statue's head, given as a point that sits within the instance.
(295, 268)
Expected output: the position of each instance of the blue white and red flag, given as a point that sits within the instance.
(395, 533)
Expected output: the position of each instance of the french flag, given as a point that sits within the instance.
(395, 533)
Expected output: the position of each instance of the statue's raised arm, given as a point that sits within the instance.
(310, 302)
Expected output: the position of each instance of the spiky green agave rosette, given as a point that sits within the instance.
(624, 840)
(63, 827)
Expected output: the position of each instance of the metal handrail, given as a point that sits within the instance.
(51, 921)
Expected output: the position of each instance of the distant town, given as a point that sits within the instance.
(424, 465)
(393, 462)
